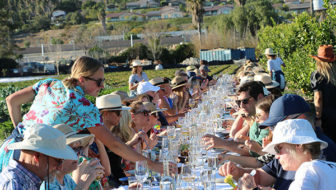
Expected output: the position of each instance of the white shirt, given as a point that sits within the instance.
(316, 174)
(274, 64)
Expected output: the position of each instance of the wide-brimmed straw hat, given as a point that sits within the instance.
(136, 63)
(72, 136)
(266, 80)
(293, 131)
(178, 82)
(325, 53)
(110, 102)
(269, 51)
(190, 68)
(123, 95)
(149, 106)
(158, 81)
(45, 139)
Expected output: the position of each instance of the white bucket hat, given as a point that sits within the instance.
(46, 140)
(136, 63)
(146, 86)
(266, 80)
(72, 136)
(110, 102)
(152, 108)
(293, 131)
(269, 51)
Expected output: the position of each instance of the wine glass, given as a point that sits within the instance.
(141, 171)
(171, 133)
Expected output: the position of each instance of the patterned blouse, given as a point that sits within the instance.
(56, 104)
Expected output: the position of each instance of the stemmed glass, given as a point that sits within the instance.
(141, 171)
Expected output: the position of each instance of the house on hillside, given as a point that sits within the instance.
(114, 17)
(153, 15)
(132, 16)
(57, 17)
(176, 3)
(171, 12)
(142, 4)
(217, 10)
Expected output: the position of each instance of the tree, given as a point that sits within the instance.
(195, 7)
(153, 37)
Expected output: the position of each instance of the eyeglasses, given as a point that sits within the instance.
(99, 82)
(57, 160)
(117, 112)
(244, 101)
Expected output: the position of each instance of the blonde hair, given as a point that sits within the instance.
(83, 67)
(327, 70)
(123, 129)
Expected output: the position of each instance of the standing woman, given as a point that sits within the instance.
(274, 64)
(137, 76)
(64, 102)
(323, 82)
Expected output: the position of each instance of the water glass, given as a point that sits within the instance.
(141, 170)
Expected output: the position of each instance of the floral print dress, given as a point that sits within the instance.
(55, 104)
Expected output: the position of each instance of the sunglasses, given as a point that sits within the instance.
(99, 82)
(244, 101)
(277, 149)
(145, 112)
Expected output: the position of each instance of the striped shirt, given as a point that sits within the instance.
(16, 177)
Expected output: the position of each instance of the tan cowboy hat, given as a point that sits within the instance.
(325, 53)
(266, 80)
(178, 82)
(269, 51)
(158, 81)
(72, 136)
(136, 63)
(149, 106)
(110, 102)
(44, 139)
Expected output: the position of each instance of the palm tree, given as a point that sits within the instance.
(195, 7)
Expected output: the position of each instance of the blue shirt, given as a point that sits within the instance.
(283, 178)
(69, 184)
(17, 177)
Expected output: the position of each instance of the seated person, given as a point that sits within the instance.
(43, 150)
(84, 175)
(248, 95)
(298, 149)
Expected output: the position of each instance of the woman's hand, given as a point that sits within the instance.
(212, 141)
(87, 172)
(253, 146)
(153, 140)
(137, 138)
(246, 182)
(230, 168)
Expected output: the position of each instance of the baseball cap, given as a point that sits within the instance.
(284, 106)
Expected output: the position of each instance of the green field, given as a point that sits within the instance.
(114, 81)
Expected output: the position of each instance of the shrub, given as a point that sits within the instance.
(294, 43)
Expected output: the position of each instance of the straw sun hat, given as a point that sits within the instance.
(45, 139)
(325, 53)
(110, 102)
(266, 80)
(136, 63)
(178, 82)
(152, 108)
(72, 136)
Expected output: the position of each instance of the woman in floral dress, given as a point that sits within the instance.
(64, 102)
